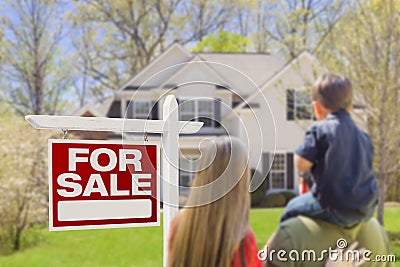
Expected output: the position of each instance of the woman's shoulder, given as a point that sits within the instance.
(247, 251)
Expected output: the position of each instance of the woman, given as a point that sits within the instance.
(213, 230)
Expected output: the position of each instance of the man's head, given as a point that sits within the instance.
(332, 92)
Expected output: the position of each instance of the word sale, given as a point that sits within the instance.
(74, 185)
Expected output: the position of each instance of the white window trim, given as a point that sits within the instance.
(271, 173)
(123, 106)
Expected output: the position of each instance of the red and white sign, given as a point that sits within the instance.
(102, 184)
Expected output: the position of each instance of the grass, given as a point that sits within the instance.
(392, 226)
(139, 247)
(106, 247)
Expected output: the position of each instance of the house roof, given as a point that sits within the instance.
(258, 67)
(196, 63)
(279, 74)
(88, 110)
(173, 55)
(99, 110)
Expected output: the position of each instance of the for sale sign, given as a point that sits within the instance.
(102, 184)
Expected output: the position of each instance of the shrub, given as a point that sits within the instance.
(258, 195)
(274, 200)
(288, 195)
(279, 199)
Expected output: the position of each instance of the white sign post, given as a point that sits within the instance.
(170, 164)
(169, 127)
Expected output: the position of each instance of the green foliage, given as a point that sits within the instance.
(274, 200)
(258, 195)
(277, 199)
(288, 195)
(23, 181)
(365, 46)
(293, 26)
(30, 237)
(223, 42)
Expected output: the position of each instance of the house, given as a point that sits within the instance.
(258, 98)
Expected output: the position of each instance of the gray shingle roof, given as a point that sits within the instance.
(258, 67)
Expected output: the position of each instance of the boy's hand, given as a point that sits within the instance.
(302, 164)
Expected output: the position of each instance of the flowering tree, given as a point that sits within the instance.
(23, 180)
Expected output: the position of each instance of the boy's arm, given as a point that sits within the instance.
(307, 153)
(302, 164)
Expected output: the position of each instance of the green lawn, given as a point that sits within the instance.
(136, 246)
(392, 225)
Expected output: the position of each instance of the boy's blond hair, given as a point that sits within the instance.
(333, 91)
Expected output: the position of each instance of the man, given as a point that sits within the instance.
(303, 241)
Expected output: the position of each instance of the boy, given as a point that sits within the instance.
(339, 156)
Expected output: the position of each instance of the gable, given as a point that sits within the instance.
(173, 56)
(88, 111)
(259, 68)
(196, 78)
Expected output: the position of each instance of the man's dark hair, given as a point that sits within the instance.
(333, 91)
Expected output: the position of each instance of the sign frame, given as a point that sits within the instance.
(104, 226)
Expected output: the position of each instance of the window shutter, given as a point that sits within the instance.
(129, 110)
(290, 104)
(289, 171)
(154, 111)
(115, 110)
(266, 168)
(217, 112)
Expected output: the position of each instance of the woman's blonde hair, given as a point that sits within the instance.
(209, 231)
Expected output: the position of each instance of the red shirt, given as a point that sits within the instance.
(247, 252)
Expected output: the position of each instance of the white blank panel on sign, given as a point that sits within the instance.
(103, 209)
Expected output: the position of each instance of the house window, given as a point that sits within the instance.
(198, 110)
(142, 110)
(281, 174)
(187, 171)
(299, 105)
(278, 172)
(206, 112)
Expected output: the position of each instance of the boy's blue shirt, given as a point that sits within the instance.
(342, 155)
